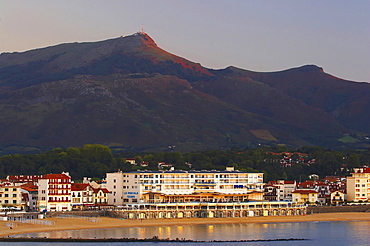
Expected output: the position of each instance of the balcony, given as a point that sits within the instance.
(59, 200)
(204, 183)
(59, 194)
(60, 182)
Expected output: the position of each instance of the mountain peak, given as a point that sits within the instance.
(141, 38)
(309, 68)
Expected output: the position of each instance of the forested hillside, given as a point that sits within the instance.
(95, 160)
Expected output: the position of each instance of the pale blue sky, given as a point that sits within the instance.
(259, 35)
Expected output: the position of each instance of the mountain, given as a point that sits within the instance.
(129, 93)
(347, 101)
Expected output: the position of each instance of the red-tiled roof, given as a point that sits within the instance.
(29, 189)
(23, 178)
(274, 182)
(305, 191)
(78, 187)
(102, 189)
(312, 183)
(29, 184)
(55, 176)
(366, 170)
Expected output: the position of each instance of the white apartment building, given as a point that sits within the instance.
(54, 192)
(130, 187)
(358, 185)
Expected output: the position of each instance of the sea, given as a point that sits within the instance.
(314, 233)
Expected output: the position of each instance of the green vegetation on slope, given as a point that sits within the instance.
(95, 160)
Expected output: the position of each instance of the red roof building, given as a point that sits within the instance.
(82, 196)
(54, 192)
(100, 197)
(22, 179)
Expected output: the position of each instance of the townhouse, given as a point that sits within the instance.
(305, 196)
(82, 196)
(100, 197)
(322, 189)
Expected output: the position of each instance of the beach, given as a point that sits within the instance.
(59, 224)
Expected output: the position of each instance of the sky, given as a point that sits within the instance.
(258, 35)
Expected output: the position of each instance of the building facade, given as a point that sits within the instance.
(284, 189)
(100, 197)
(11, 196)
(305, 196)
(54, 192)
(82, 196)
(30, 196)
(358, 185)
(177, 186)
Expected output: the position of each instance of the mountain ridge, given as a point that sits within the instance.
(127, 91)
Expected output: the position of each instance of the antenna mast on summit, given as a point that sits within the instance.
(142, 29)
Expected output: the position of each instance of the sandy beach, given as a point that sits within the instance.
(103, 222)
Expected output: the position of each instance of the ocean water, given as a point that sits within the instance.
(316, 233)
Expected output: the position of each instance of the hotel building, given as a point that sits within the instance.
(178, 186)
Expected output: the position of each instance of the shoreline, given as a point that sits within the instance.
(62, 224)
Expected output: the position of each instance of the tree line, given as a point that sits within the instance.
(94, 160)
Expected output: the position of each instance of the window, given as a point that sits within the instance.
(114, 180)
(6, 189)
(14, 189)
(14, 201)
(14, 195)
(6, 195)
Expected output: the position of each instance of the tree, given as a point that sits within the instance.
(353, 160)
(97, 153)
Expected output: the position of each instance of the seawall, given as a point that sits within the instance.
(338, 209)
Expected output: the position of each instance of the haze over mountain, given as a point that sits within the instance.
(129, 93)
